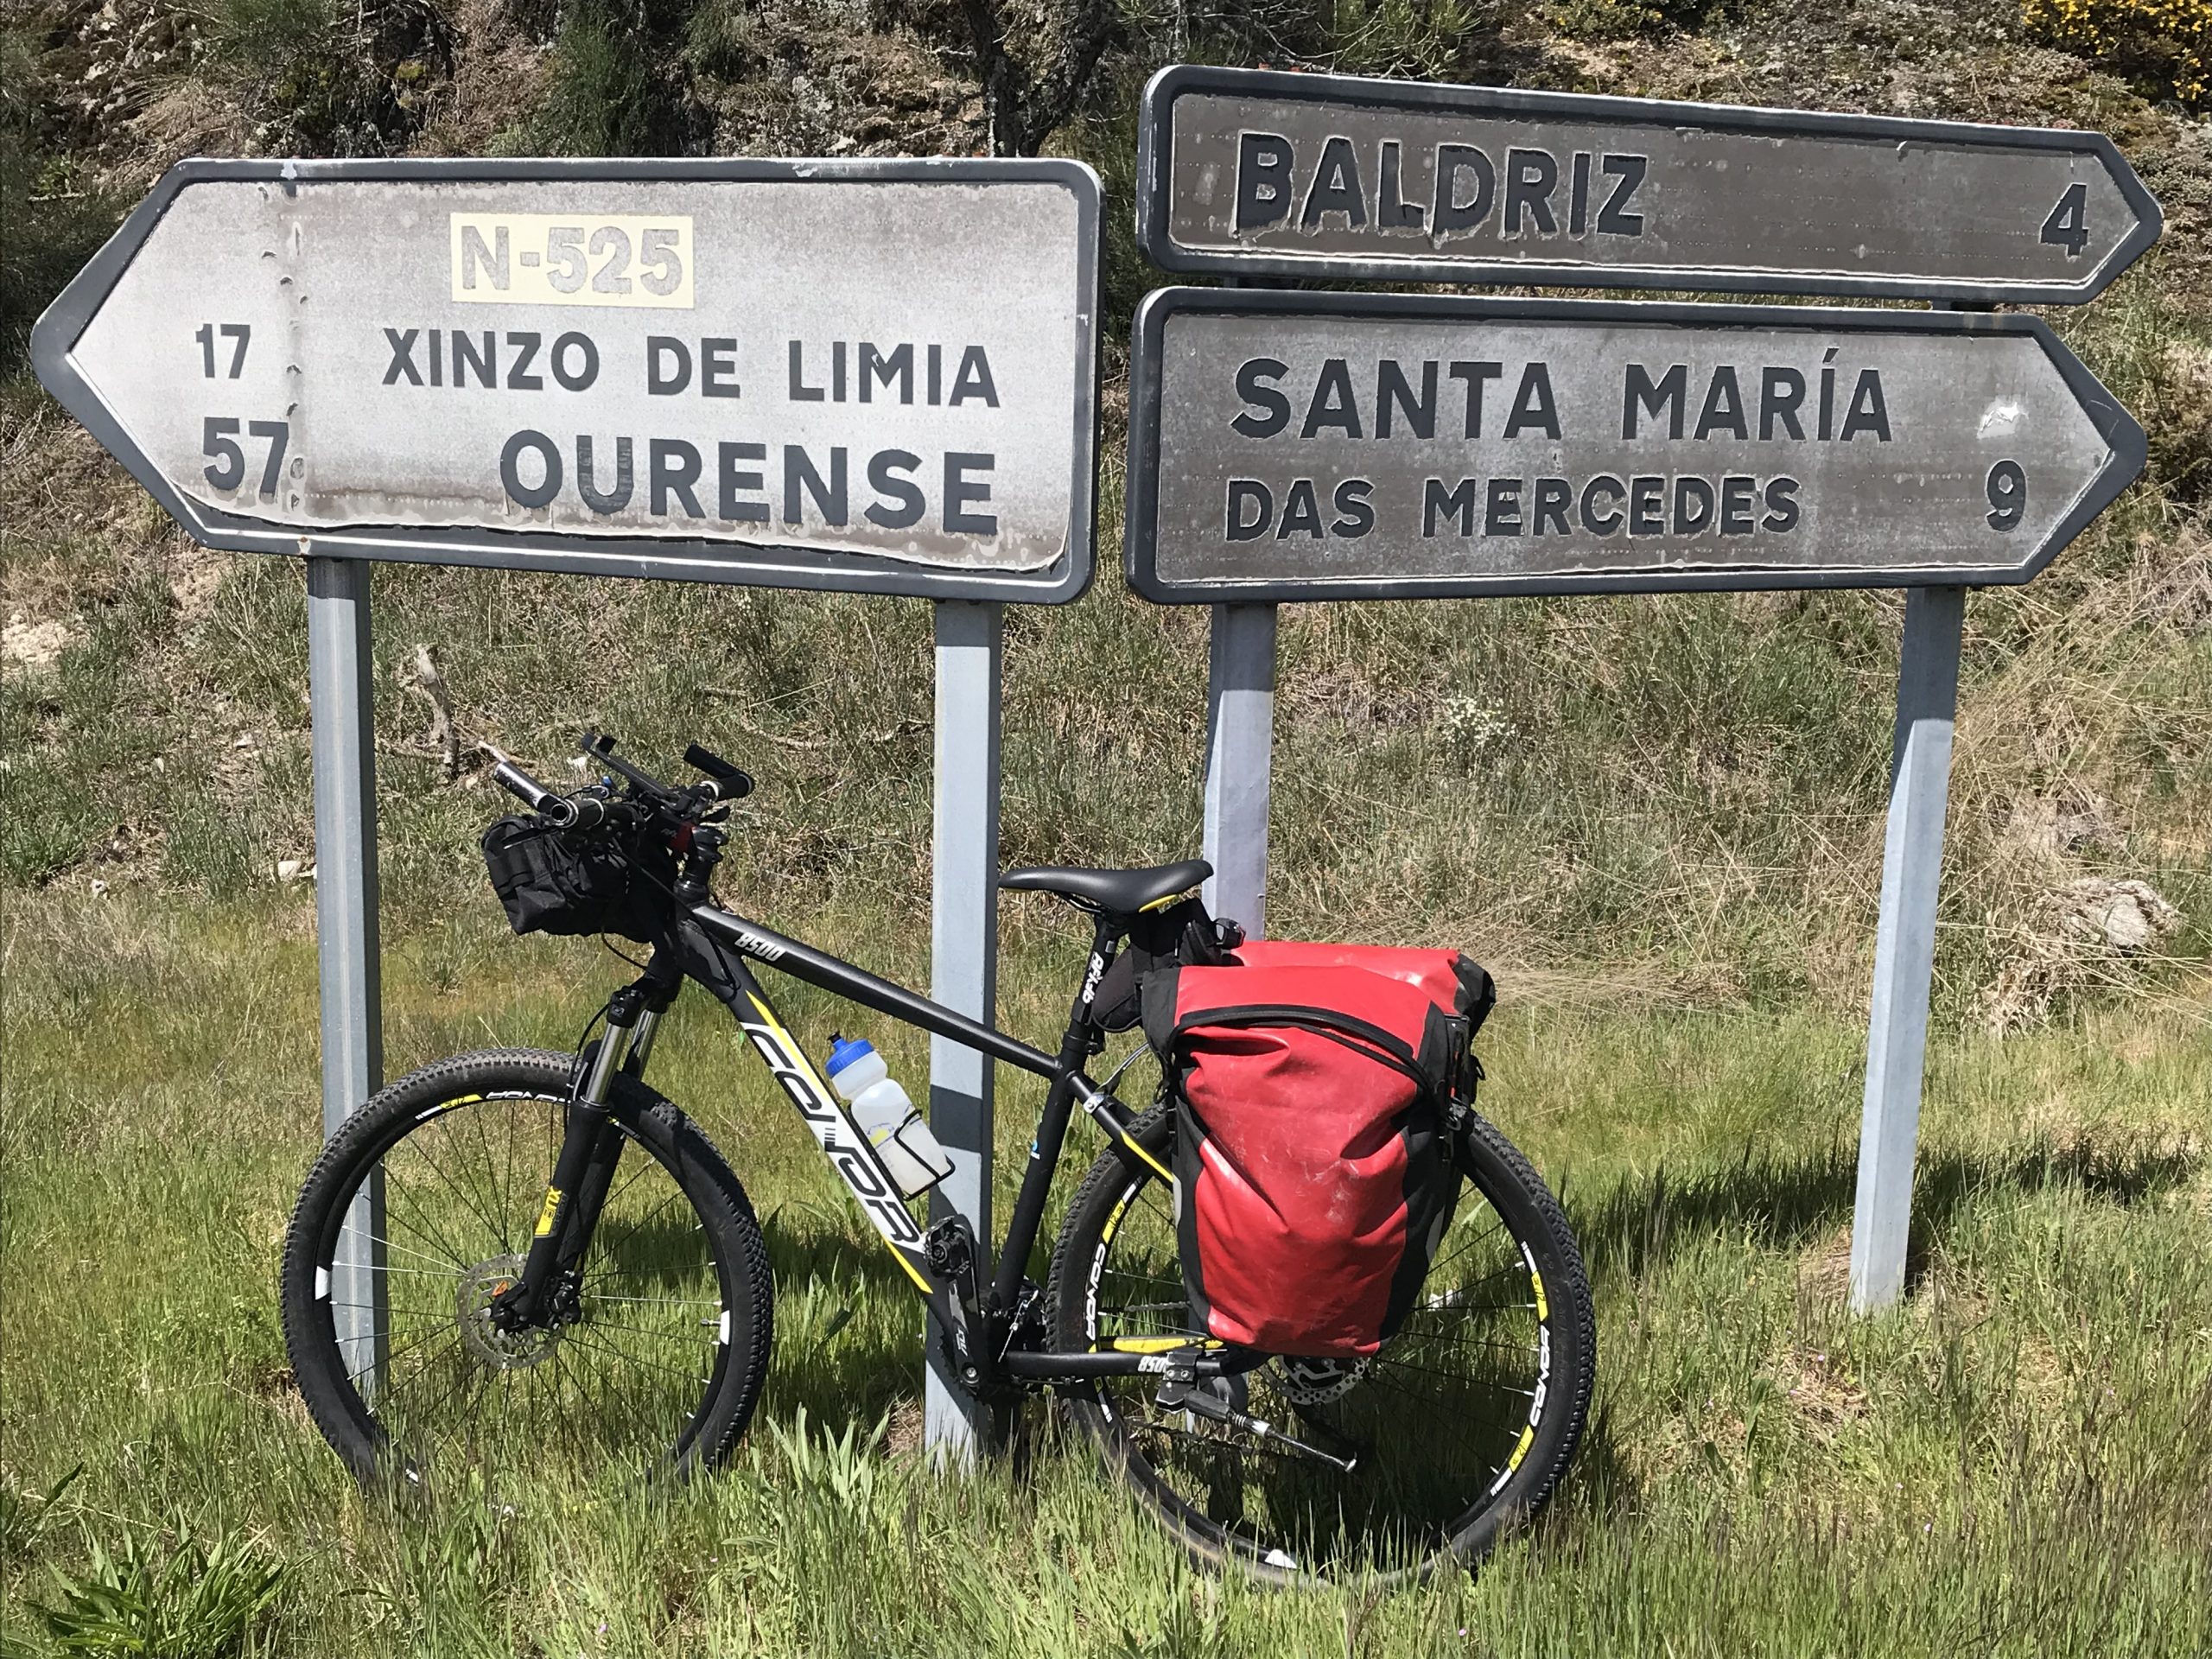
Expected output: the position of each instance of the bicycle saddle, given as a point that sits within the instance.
(1118, 893)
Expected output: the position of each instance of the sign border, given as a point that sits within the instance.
(693, 559)
(1140, 546)
(1155, 141)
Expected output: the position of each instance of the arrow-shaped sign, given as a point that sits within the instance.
(1259, 172)
(866, 375)
(1286, 446)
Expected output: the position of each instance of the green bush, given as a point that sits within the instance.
(2166, 45)
(183, 1602)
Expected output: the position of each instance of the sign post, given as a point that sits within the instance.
(1905, 942)
(1300, 446)
(963, 955)
(1240, 742)
(871, 377)
(341, 693)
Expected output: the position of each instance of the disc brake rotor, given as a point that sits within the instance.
(1316, 1382)
(505, 1350)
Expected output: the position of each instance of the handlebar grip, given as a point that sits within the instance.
(518, 782)
(731, 783)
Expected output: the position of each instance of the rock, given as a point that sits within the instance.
(2079, 931)
(2123, 916)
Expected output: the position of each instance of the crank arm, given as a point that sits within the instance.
(1174, 1396)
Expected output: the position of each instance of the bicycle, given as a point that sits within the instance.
(622, 1309)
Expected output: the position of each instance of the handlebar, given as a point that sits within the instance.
(587, 810)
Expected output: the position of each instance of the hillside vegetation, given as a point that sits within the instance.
(1685, 790)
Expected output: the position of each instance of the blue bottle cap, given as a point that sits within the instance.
(843, 1053)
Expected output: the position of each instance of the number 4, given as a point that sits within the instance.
(2069, 226)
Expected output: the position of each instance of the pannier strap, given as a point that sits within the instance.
(1353, 1033)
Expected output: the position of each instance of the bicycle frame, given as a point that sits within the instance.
(717, 947)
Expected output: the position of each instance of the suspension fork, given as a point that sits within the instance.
(591, 1147)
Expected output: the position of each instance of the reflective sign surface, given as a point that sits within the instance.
(1309, 446)
(862, 375)
(1250, 171)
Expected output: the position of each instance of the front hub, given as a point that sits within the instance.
(481, 1334)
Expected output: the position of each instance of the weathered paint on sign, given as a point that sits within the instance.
(1261, 173)
(1319, 445)
(866, 375)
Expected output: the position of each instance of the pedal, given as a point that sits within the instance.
(949, 1247)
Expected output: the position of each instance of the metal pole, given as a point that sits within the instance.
(1904, 947)
(963, 953)
(341, 689)
(1240, 744)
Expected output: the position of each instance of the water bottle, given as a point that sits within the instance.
(880, 1110)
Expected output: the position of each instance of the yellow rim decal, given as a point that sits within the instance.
(1528, 1439)
(1106, 1233)
(1543, 1311)
(552, 1208)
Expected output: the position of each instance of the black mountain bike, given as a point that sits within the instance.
(573, 1272)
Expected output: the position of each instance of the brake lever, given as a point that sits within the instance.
(600, 748)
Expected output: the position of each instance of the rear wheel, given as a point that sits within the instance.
(1460, 1426)
(662, 1360)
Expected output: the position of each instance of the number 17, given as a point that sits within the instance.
(238, 331)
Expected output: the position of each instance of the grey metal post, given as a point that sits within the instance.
(1904, 945)
(963, 951)
(1240, 759)
(341, 690)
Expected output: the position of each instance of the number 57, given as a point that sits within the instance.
(218, 438)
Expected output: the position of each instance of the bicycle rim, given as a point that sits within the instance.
(1436, 1424)
(451, 1401)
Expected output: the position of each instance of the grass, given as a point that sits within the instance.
(2013, 1464)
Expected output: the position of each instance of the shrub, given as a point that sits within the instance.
(2164, 45)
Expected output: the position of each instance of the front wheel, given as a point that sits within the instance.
(423, 1206)
(1460, 1426)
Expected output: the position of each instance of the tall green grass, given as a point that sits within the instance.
(2013, 1463)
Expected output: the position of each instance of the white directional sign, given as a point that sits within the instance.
(873, 376)
(1249, 172)
(1289, 446)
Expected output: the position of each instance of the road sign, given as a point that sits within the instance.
(1256, 172)
(875, 375)
(1298, 446)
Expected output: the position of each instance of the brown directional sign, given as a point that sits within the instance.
(1300, 446)
(876, 375)
(1259, 172)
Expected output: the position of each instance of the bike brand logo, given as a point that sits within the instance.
(853, 1163)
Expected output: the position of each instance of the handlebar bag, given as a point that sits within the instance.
(556, 880)
(1314, 1182)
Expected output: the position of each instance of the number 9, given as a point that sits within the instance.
(2008, 495)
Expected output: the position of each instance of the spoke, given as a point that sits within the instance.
(446, 1270)
(498, 1195)
(625, 1237)
(1459, 1377)
(657, 1301)
(420, 1227)
(467, 1201)
(577, 1334)
(1467, 1245)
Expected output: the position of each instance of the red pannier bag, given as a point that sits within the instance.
(1314, 1181)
